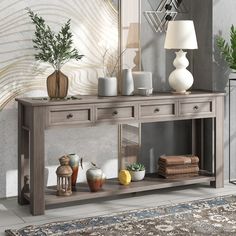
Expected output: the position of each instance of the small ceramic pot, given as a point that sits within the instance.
(137, 175)
(107, 87)
(95, 178)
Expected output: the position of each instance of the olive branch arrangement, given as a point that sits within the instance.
(111, 63)
(55, 49)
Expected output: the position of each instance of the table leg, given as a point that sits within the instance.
(23, 155)
(219, 143)
(37, 202)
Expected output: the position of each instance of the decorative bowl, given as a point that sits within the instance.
(145, 91)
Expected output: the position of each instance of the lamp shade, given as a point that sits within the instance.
(133, 36)
(181, 35)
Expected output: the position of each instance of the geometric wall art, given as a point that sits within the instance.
(162, 12)
(94, 25)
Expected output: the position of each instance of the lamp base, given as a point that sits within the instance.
(181, 79)
(181, 93)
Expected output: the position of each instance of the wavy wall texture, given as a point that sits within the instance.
(94, 25)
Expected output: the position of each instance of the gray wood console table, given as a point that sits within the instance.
(36, 115)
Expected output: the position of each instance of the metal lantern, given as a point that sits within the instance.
(64, 173)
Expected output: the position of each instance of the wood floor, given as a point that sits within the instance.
(14, 216)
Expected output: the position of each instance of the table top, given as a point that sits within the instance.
(85, 99)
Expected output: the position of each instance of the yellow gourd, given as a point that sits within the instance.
(124, 177)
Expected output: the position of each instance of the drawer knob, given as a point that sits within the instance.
(195, 108)
(156, 110)
(69, 116)
(114, 113)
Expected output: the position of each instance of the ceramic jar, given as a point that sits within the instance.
(95, 178)
(107, 86)
(75, 162)
(127, 88)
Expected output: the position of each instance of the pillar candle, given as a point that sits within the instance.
(142, 79)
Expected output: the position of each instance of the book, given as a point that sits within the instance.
(178, 160)
(185, 170)
(179, 176)
(163, 166)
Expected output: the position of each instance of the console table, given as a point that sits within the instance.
(35, 115)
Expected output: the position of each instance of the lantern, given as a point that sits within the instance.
(64, 173)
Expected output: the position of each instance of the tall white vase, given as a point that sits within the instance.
(127, 88)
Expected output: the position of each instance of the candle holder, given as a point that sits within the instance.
(64, 173)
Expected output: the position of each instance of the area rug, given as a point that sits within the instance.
(214, 216)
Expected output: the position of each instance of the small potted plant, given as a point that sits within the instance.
(107, 85)
(55, 49)
(137, 171)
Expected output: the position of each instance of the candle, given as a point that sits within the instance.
(142, 79)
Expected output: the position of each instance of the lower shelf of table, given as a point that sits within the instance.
(113, 188)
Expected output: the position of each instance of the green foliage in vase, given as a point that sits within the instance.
(228, 51)
(136, 167)
(55, 49)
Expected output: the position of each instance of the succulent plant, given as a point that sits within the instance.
(136, 167)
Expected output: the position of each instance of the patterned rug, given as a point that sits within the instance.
(215, 216)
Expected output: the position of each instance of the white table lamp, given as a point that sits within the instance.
(181, 35)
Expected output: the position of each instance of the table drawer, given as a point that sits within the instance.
(156, 110)
(115, 113)
(72, 115)
(196, 107)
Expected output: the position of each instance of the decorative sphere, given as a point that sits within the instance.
(124, 177)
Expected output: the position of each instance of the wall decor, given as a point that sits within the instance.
(174, 5)
(21, 74)
(163, 12)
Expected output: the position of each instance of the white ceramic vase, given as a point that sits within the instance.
(137, 175)
(127, 88)
(107, 86)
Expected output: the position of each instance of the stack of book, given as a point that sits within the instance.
(172, 167)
